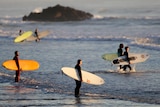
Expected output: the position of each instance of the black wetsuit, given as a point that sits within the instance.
(17, 71)
(127, 58)
(120, 53)
(78, 83)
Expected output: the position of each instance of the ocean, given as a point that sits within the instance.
(135, 24)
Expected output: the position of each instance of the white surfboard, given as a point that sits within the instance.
(40, 35)
(134, 58)
(120, 71)
(87, 77)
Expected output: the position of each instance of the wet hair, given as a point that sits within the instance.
(16, 52)
(126, 47)
(78, 61)
(121, 45)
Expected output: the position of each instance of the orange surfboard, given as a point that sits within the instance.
(25, 65)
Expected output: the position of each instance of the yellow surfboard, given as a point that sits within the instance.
(25, 65)
(22, 37)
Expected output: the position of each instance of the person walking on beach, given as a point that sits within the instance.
(36, 35)
(127, 58)
(120, 53)
(78, 83)
(16, 58)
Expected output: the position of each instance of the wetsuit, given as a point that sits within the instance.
(17, 78)
(120, 53)
(127, 58)
(78, 83)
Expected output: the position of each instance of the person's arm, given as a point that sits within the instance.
(17, 62)
(80, 74)
(127, 56)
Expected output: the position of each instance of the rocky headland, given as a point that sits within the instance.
(58, 13)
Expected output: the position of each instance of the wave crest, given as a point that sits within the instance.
(37, 10)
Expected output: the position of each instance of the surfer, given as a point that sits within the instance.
(78, 83)
(127, 58)
(36, 35)
(120, 53)
(20, 32)
(16, 58)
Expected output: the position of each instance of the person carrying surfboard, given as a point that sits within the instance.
(36, 35)
(127, 58)
(16, 58)
(120, 53)
(78, 83)
(20, 32)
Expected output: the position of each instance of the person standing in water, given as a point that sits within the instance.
(120, 53)
(20, 32)
(127, 58)
(78, 82)
(16, 58)
(36, 35)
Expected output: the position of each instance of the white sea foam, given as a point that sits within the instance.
(37, 10)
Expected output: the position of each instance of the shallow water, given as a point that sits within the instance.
(135, 24)
(48, 87)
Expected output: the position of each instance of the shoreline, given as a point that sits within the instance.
(18, 93)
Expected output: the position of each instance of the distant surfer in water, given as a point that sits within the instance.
(120, 52)
(16, 58)
(20, 32)
(127, 58)
(36, 35)
(78, 83)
